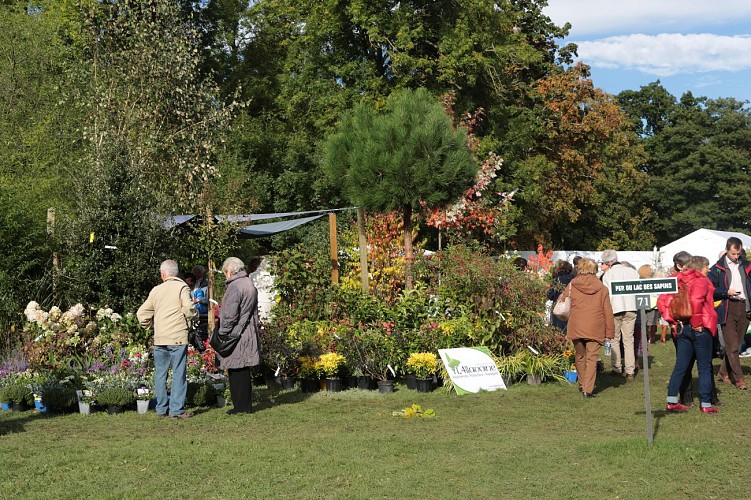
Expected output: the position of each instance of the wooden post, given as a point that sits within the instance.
(333, 254)
(210, 271)
(55, 257)
(363, 249)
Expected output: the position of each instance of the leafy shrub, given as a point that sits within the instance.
(58, 394)
(17, 390)
(116, 396)
(509, 304)
(201, 394)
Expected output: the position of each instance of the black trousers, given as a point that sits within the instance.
(240, 389)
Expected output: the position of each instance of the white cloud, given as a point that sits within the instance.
(669, 54)
(589, 17)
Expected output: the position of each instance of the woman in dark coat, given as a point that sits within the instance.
(239, 314)
(563, 273)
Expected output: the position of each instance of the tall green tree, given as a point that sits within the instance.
(153, 132)
(699, 160)
(399, 159)
(38, 145)
(305, 64)
(580, 179)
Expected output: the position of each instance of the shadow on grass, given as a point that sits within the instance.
(15, 422)
(607, 381)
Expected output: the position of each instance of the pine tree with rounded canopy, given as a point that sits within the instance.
(408, 157)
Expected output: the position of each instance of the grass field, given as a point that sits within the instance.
(527, 442)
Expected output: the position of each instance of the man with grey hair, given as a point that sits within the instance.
(169, 310)
(239, 317)
(624, 313)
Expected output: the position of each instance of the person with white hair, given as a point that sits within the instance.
(624, 313)
(169, 310)
(238, 315)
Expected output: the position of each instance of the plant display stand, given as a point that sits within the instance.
(334, 384)
(424, 384)
(84, 408)
(534, 379)
(309, 385)
(142, 406)
(385, 386)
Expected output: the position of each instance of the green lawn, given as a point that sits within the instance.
(527, 442)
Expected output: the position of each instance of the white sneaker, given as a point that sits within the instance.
(745, 354)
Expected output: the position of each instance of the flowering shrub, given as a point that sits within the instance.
(308, 367)
(508, 304)
(422, 364)
(331, 363)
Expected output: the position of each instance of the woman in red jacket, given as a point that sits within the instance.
(590, 323)
(694, 338)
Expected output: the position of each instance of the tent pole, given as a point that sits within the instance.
(333, 253)
(363, 240)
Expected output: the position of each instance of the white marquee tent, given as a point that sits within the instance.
(705, 242)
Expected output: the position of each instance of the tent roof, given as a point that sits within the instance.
(272, 228)
(257, 230)
(705, 242)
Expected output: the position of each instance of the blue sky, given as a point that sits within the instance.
(689, 45)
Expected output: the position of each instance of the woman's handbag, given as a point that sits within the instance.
(562, 309)
(223, 344)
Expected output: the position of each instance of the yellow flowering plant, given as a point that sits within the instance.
(308, 367)
(422, 364)
(331, 363)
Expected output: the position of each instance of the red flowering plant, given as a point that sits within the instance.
(201, 364)
(508, 304)
(480, 213)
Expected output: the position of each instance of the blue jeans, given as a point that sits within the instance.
(164, 357)
(687, 345)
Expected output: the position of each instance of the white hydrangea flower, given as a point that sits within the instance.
(31, 311)
(55, 313)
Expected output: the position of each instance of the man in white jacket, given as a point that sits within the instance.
(624, 312)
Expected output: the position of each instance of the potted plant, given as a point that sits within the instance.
(201, 393)
(144, 394)
(541, 367)
(423, 365)
(309, 374)
(331, 364)
(86, 398)
(17, 392)
(568, 366)
(511, 368)
(116, 394)
(378, 350)
(57, 395)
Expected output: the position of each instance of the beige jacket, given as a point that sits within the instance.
(169, 310)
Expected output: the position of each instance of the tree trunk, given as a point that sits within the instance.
(408, 254)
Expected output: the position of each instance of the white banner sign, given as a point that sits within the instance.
(471, 369)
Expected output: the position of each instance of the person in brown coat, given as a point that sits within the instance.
(590, 323)
(239, 315)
